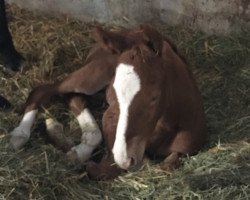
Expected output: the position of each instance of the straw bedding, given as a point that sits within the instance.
(56, 46)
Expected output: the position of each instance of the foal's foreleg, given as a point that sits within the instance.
(171, 162)
(91, 134)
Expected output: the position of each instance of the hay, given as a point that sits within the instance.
(56, 46)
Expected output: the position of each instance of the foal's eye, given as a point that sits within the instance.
(153, 98)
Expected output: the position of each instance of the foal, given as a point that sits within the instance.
(154, 108)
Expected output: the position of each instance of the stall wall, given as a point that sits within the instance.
(219, 16)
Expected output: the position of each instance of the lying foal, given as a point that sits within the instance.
(154, 105)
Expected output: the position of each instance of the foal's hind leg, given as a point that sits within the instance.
(21, 134)
(88, 80)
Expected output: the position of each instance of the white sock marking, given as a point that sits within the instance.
(127, 85)
(21, 134)
(91, 135)
(25, 125)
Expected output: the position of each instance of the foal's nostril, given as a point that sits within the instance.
(132, 162)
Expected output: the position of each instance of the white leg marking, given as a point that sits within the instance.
(127, 84)
(56, 135)
(53, 126)
(21, 134)
(91, 136)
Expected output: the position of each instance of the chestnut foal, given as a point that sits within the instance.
(154, 104)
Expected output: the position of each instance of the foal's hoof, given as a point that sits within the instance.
(169, 166)
(171, 163)
(102, 171)
(80, 153)
(19, 138)
(53, 126)
(72, 157)
(55, 133)
(17, 142)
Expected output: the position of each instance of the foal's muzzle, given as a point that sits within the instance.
(128, 163)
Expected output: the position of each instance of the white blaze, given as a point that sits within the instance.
(126, 85)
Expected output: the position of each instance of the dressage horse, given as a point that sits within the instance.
(155, 107)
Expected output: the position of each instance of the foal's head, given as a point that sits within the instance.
(138, 85)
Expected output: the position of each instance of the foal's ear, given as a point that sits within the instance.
(153, 38)
(111, 41)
